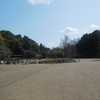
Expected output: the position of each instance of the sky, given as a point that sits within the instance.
(47, 21)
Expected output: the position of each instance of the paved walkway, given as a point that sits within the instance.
(71, 81)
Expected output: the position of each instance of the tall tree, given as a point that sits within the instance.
(43, 51)
(89, 45)
(68, 46)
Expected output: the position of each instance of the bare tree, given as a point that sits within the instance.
(68, 46)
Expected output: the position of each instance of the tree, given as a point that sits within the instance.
(23, 46)
(30, 54)
(56, 53)
(68, 46)
(60, 54)
(43, 50)
(4, 52)
(2, 42)
(29, 44)
(89, 45)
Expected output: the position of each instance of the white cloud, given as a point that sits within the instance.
(93, 26)
(71, 30)
(35, 2)
(76, 33)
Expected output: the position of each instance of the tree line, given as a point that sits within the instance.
(16, 45)
(88, 46)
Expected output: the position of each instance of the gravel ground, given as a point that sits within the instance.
(68, 81)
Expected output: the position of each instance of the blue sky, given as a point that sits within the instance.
(47, 21)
